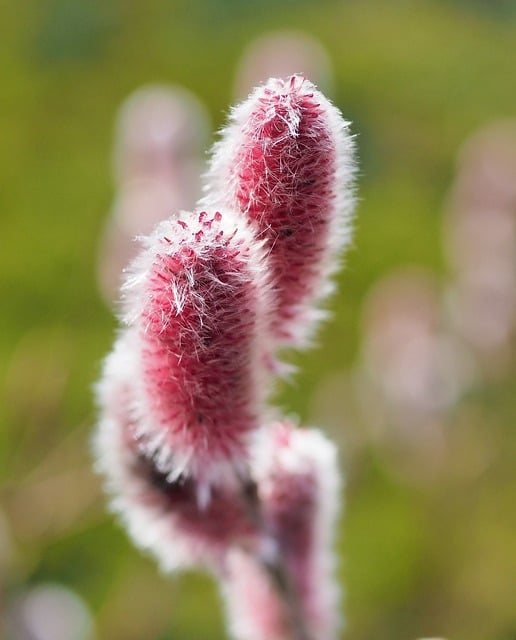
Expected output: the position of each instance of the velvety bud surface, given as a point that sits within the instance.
(285, 161)
(196, 299)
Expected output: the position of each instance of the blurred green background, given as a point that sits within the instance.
(418, 559)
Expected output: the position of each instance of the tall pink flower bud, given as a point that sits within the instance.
(163, 517)
(298, 480)
(285, 161)
(196, 298)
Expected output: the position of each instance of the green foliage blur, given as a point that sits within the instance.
(416, 78)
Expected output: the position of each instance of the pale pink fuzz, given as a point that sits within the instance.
(162, 517)
(285, 161)
(253, 608)
(196, 299)
(298, 482)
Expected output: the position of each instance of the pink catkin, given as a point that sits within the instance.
(196, 298)
(162, 517)
(285, 161)
(298, 482)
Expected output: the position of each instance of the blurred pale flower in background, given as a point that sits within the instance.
(48, 612)
(480, 241)
(279, 54)
(157, 162)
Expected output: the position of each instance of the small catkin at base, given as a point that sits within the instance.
(298, 480)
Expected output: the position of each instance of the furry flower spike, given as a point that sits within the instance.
(286, 162)
(195, 300)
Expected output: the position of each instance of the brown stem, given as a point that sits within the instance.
(275, 567)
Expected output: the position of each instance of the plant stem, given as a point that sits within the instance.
(275, 567)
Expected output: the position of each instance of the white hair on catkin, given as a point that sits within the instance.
(286, 161)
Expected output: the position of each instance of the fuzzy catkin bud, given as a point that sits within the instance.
(162, 517)
(285, 161)
(298, 479)
(196, 298)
